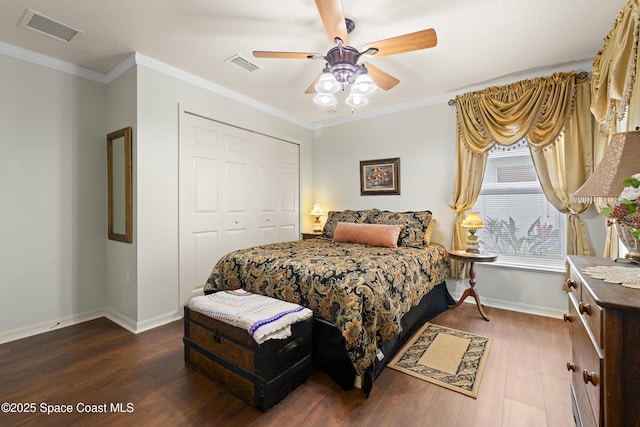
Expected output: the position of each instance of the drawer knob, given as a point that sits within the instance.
(584, 308)
(571, 284)
(590, 377)
(571, 367)
(567, 317)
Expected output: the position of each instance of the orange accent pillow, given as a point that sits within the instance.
(383, 235)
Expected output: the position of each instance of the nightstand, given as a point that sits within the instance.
(307, 236)
(472, 258)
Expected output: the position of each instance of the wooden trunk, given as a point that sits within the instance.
(261, 375)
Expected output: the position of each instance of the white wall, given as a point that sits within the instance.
(420, 137)
(158, 97)
(424, 139)
(121, 260)
(52, 187)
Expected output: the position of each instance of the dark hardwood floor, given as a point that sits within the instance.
(97, 363)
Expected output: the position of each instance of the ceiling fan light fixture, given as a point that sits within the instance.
(327, 82)
(363, 84)
(325, 99)
(356, 100)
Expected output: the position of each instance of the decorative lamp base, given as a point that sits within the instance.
(317, 225)
(473, 246)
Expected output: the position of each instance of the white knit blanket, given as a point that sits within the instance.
(263, 317)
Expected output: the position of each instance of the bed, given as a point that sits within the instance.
(371, 279)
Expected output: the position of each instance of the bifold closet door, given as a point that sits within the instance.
(237, 189)
(277, 198)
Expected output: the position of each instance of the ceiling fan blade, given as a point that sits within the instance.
(382, 79)
(406, 43)
(312, 86)
(292, 55)
(333, 19)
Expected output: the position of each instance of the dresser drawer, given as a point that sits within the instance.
(586, 366)
(574, 284)
(592, 314)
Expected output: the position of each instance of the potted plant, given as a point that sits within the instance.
(625, 214)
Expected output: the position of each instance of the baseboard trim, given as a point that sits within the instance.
(154, 322)
(121, 320)
(49, 325)
(118, 318)
(514, 306)
(136, 327)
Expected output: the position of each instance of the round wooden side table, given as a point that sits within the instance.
(472, 258)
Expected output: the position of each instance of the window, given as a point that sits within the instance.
(520, 224)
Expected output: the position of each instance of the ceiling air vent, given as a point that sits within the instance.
(48, 26)
(243, 63)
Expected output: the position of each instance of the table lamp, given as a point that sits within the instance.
(316, 213)
(621, 160)
(472, 223)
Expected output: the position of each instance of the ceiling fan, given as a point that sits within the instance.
(342, 67)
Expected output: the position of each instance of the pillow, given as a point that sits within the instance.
(382, 235)
(415, 225)
(429, 232)
(333, 217)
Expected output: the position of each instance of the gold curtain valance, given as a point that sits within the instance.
(552, 115)
(536, 109)
(614, 70)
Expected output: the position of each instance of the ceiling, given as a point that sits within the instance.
(479, 42)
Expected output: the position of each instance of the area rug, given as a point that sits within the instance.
(446, 357)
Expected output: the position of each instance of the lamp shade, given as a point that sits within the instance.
(621, 160)
(325, 99)
(317, 210)
(356, 100)
(363, 85)
(327, 82)
(472, 220)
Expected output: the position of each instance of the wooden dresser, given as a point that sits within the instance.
(605, 335)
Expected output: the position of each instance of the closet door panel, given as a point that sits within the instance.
(267, 185)
(238, 178)
(289, 192)
(199, 205)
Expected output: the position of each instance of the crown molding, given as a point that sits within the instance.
(145, 61)
(169, 70)
(186, 77)
(47, 61)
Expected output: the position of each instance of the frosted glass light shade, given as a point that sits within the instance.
(327, 83)
(363, 85)
(325, 99)
(356, 100)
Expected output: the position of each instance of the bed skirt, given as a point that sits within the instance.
(329, 352)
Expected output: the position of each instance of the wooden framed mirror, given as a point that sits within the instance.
(119, 185)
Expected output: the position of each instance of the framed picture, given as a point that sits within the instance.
(379, 177)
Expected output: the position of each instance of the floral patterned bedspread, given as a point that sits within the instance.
(363, 290)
